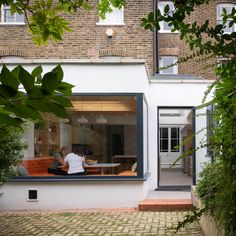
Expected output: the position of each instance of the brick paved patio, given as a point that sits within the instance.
(91, 222)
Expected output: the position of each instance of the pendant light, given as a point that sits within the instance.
(82, 119)
(101, 119)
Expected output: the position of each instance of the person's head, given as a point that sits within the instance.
(79, 151)
(64, 150)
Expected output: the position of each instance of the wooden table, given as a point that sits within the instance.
(101, 166)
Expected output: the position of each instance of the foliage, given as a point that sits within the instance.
(46, 17)
(217, 187)
(24, 95)
(11, 152)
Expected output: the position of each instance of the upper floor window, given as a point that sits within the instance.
(169, 65)
(228, 8)
(116, 17)
(7, 18)
(164, 26)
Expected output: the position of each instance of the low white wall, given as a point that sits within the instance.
(77, 195)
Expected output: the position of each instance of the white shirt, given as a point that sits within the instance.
(75, 163)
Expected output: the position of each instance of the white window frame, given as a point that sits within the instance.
(162, 64)
(219, 19)
(116, 17)
(161, 6)
(2, 22)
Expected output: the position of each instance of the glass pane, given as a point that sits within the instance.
(167, 61)
(174, 133)
(164, 133)
(166, 26)
(19, 18)
(7, 16)
(174, 144)
(164, 145)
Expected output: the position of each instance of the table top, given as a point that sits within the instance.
(102, 165)
(125, 156)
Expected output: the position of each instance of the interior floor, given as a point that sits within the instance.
(174, 177)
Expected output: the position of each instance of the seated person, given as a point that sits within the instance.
(75, 161)
(20, 170)
(58, 162)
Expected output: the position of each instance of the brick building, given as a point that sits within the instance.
(127, 118)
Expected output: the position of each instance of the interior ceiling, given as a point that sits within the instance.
(114, 106)
(175, 112)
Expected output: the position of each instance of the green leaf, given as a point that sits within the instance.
(38, 104)
(8, 120)
(58, 70)
(36, 92)
(50, 81)
(65, 88)
(150, 17)
(24, 111)
(3, 101)
(37, 71)
(13, 9)
(218, 28)
(86, 6)
(63, 101)
(166, 9)
(7, 78)
(26, 79)
(7, 91)
(58, 110)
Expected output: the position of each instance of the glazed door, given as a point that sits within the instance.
(169, 142)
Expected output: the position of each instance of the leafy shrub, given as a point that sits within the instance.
(11, 152)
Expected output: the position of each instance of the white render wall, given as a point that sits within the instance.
(172, 93)
(69, 195)
(89, 77)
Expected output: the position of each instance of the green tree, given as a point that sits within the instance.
(217, 187)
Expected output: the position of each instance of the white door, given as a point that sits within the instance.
(169, 150)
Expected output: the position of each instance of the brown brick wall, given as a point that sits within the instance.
(169, 41)
(88, 39)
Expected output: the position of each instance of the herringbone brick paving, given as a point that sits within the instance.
(91, 222)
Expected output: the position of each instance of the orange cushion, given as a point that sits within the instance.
(38, 165)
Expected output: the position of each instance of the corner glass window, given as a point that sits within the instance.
(103, 130)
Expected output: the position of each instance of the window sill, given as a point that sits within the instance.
(110, 24)
(12, 24)
(167, 32)
(76, 179)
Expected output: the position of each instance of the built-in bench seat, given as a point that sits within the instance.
(128, 173)
(38, 166)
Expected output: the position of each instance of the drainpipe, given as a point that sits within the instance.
(155, 41)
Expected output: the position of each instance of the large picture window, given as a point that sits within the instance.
(104, 128)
